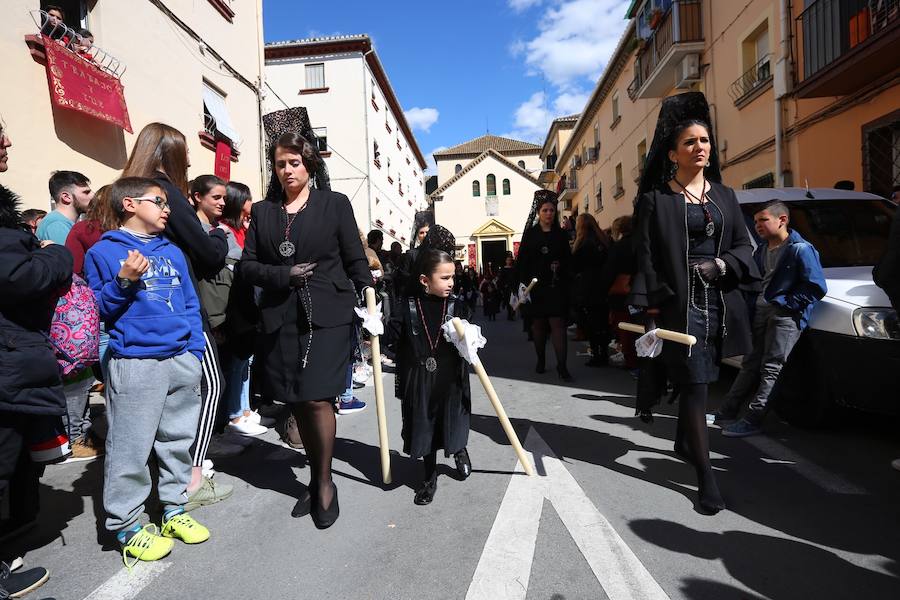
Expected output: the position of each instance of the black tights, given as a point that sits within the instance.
(556, 327)
(315, 421)
(430, 463)
(692, 440)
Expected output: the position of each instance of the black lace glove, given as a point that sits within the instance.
(300, 274)
(708, 270)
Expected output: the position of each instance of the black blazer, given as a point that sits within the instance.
(661, 279)
(330, 238)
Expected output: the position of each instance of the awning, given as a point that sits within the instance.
(215, 105)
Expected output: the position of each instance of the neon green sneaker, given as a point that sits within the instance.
(184, 527)
(146, 545)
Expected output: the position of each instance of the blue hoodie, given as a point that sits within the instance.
(798, 282)
(157, 318)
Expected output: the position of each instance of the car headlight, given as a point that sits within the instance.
(878, 323)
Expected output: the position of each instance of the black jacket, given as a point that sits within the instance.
(331, 239)
(31, 279)
(661, 279)
(886, 273)
(587, 265)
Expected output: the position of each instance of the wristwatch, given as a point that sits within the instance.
(124, 282)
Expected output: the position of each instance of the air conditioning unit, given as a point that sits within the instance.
(592, 154)
(687, 71)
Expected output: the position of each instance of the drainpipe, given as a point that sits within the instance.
(781, 86)
(366, 129)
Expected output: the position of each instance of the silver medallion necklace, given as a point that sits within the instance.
(287, 248)
(431, 361)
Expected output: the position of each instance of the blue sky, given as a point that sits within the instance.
(461, 67)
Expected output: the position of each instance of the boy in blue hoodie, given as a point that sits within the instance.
(152, 314)
(793, 282)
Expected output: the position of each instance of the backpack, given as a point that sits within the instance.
(75, 329)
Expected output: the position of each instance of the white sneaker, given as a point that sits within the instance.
(255, 417)
(207, 467)
(246, 427)
(219, 448)
(387, 362)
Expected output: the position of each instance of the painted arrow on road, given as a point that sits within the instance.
(505, 564)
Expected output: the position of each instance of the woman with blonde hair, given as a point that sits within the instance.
(589, 254)
(160, 153)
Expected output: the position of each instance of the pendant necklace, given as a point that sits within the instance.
(431, 361)
(287, 248)
(710, 228)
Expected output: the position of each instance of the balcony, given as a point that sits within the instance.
(752, 83)
(677, 33)
(847, 44)
(569, 187)
(64, 35)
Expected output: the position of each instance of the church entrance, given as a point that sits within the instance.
(493, 255)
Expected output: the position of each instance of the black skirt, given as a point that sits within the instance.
(282, 352)
(704, 357)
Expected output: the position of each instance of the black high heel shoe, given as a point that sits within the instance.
(323, 518)
(304, 504)
(463, 464)
(564, 374)
(425, 494)
(539, 367)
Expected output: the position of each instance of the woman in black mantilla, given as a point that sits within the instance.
(432, 379)
(303, 250)
(694, 256)
(544, 253)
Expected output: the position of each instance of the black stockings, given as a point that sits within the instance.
(430, 463)
(556, 328)
(315, 420)
(692, 442)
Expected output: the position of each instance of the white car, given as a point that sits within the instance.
(850, 354)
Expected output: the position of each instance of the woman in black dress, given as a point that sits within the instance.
(693, 256)
(303, 250)
(589, 255)
(544, 254)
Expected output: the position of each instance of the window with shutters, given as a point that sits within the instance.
(315, 76)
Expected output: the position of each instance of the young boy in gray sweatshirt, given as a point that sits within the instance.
(152, 314)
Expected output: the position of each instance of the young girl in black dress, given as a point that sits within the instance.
(432, 379)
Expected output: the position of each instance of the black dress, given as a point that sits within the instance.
(436, 406)
(539, 249)
(324, 232)
(664, 279)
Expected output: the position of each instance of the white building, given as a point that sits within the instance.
(371, 153)
(485, 190)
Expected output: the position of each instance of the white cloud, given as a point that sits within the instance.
(429, 159)
(574, 42)
(520, 5)
(421, 118)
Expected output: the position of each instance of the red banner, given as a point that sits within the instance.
(76, 83)
(473, 259)
(223, 160)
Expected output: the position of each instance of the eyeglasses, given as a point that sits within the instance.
(160, 202)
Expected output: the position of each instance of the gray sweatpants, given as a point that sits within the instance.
(774, 334)
(152, 407)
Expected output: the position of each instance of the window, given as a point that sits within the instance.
(619, 187)
(315, 76)
(224, 8)
(521, 164)
(376, 154)
(641, 159)
(476, 188)
(321, 134)
(457, 168)
(615, 109)
(491, 185)
(217, 120)
(506, 191)
(755, 65)
(389, 169)
(599, 197)
(597, 136)
(766, 181)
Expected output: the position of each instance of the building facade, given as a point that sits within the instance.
(556, 140)
(194, 65)
(800, 93)
(485, 190)
(369, 149)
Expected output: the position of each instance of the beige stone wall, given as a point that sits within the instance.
(163, 82)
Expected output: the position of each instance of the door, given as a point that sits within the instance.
(493, 255)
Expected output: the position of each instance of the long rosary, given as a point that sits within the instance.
(287, 248)
(431, 361)
(710, 228)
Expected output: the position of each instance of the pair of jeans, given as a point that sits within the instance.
(77, 409)
(775, 332)
(236, 372)
(347, 395)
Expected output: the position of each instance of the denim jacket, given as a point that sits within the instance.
(798, 282)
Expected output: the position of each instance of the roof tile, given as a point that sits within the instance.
(489, 142)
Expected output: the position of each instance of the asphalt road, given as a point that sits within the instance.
(610, 514)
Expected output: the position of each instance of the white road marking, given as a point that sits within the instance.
(125, 586)
(821, 477)
(505, 564)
